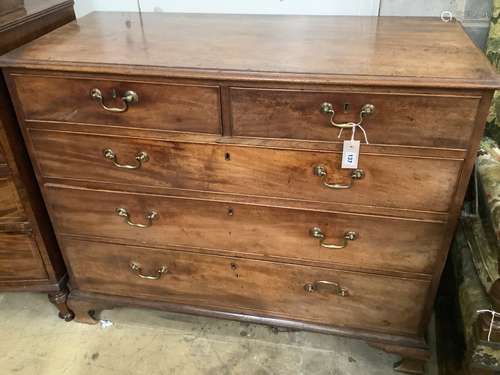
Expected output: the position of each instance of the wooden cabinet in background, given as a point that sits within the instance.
(193, 163)
(30, 258)
(12, 8)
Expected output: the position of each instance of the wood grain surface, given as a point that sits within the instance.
(248, 285)
(250, 230)
(389, 181)
(371, 50)
(11, 208)
(230, 120)
(187, 108)
(428, 120)
(19, 258)
(30, 259)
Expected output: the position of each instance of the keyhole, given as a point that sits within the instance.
(114, 95)
(227, 156)
(230, 212)
(347, 107)
(234, 267)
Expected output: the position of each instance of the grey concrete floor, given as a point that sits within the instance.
(143, 341)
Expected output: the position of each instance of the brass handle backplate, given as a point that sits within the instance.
(321, 172)
(150, 217)
(318, 234)
(129, 97)
(331, 286)
(137, 270)
(327, 109)
(141, 157)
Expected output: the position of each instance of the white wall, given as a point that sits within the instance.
(332, 7)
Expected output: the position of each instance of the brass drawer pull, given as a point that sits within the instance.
(366, 110)
(129, 97)
(137, 270)
(321, 172)
(318, 234)
(331, 286)
(152, 215)
(141, 157)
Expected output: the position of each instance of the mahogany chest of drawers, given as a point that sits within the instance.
(30, 259)
(193, 163)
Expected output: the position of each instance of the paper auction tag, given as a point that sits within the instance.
(350, 154)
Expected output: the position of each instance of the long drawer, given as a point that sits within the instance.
(332, 297)
(398, 118)
(19, 258)
(379, 243)
(385, 181)
(186, 108)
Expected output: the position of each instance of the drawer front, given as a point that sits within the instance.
(374, 302)
(378, 243)
(159, 106)
(19, 258)
(444, 121)
(394, 182)
(11, 208)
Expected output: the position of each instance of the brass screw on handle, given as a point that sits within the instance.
(327, 108)
(366, 110)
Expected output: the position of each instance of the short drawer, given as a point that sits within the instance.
(19, 259)
(156, 105)
(346, 299)
(410, 119)
(384, 181)
(371, 242)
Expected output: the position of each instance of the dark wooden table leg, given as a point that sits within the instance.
(60, 299)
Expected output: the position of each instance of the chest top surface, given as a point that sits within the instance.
(377, 50)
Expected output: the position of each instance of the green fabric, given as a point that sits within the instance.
(472, 297)
(477, 241)
(488, 169)
(493, 54)
(484, 255)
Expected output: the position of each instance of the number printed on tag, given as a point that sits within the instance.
(350, 154)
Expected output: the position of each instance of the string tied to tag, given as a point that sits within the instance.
(493, 315)
(353, 126)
